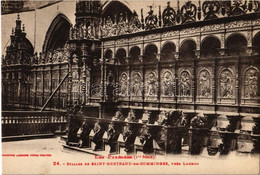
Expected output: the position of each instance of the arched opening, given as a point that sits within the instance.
(134, 55)
(209, 47)
(108, 55)
(57, 34)
(114, 9)
(150, 54)
(256, 43)
(236, 45)
(187, 50)
(168, 52)
(121, 56)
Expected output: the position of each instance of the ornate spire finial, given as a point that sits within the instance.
(142, 19)
(115, 21)
(23, 28)
(18, 16)
(126, 17)
(160, 16)
(12, 31)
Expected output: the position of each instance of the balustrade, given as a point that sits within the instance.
(31, 123)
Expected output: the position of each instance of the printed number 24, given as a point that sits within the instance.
(56, 163)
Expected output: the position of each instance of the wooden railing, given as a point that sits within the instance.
(16, 123)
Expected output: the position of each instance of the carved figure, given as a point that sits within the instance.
(151, 84)
(175, 118)
(185, 88)
(251, 83)
(118, 116)
(84, 136)
(161, 117)
(188, 12)
(97, 138)
(169, 16)
(226, 84)
(121, 26)
(136, 85)
(204, 84)
(131, 116)
(112, 138)
(124, 85)
(167, 84)
(210, 8)
(146, 116)
(134, 24)
(151, 20)
(199, 121)
(129, 138)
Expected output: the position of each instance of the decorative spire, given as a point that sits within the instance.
(142, 18)
(18, 24)
(23, 28)
(115, 21)
(126, 18)
(160, 17)
(199, 11)
(178, 18)
(223, 8)
(250, 5)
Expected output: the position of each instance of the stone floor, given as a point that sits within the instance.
(47, 156)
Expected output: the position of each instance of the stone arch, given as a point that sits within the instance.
(223, 69)
(209, 46)
(121, 56)
(134, 54)
(182, 41)
(108, 2)
(256, 42)
(167, 51)
(187, 49)
(115, 8)
(57, 34)
(150, 53)
(228, 35)
(134, 46)
(108, 54)
(236, 44)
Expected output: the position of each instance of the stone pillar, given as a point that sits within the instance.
(159, 77)
(70, 81)
(84, 74)
(222, 50)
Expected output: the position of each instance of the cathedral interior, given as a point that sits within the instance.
(126, 77)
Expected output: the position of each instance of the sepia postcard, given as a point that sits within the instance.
(130, 87)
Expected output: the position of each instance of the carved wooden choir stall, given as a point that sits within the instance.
(177, 79)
